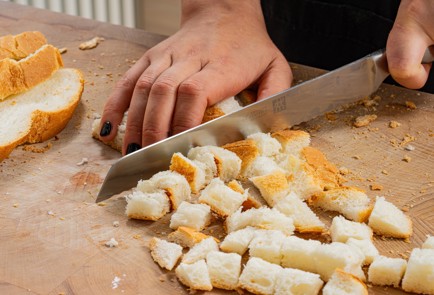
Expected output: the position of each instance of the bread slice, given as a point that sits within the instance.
(367, 247)
(305, 220)
(166, 254)
(267, 244)
(297, 282)
(419, 274)
(262, 218)
(196, 216)
(222, 199)
(200, 250)
(267, 145)
(429, 243)
(224, 269)
(388, 220)
(259, 276)
(192, 171)
(238, 241)
(40, 113)
(174, 184)
(22, 75)
(187, 237)
(343, 283)
(21, 45)
(329, 257)
(246, 150)
(386, 271)
(298, 253)
(273, 187)
(195, 275)
(351, 202)
(342, 229)
(147, 206)
(292, 141)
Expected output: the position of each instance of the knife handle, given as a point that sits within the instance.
(428, 57)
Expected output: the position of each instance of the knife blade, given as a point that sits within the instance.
(295, 105)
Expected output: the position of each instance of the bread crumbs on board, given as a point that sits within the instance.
(394, 124)
(37, 150)
(411, 105)
(364, 120)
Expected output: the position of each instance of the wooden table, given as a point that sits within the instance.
(52, 234)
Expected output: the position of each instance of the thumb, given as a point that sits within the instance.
(276, 78)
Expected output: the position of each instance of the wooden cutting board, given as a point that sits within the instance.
(52, 234)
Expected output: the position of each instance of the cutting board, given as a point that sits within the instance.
(53, 235)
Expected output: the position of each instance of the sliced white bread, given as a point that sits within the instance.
(21, 45)
(259, 276)
(263, 218)
(193, 171)
(267, 145)
(187, 237)
(388, 220)
(329, 257)
(343, 283)
(267, 244)
(20, 76)
(238, 241)
(194, 276)
(223, 200)
(342, 229)
(292, 141)
(386, 271)
(273, 187)
(351, 202)
(305, 220)
(195, 216)
(174, 184)
(200, 250)
(224, 269)
(429, 243)
(419, 275)
(147, 206)
(367, 248)
(298, 253)
(297, 282)
(166, 254)
(40, 113)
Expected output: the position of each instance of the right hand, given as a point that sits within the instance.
(221, 49)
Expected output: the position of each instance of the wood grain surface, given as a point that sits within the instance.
(52, 234)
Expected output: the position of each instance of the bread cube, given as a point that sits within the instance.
(367, 248)
(238, 241)
(193, 171)
(224, 269)
(187, 237)
(342, 229)
(351, 202)
(196, 216)
(419, 274)
(329, 257)
(429, 243)
(147, 206)
(222, 199)
(298, 253)
(388, 220)
(246, 150)
(267, 244)
(195, 275)
(203, 155)
(259, 276)
(305, 220)
(267, 145)
(294, 281)
(273, 187)
(200, 250)
(386, 271)
(166, 254)
(292, 141)
(261, 166)
(344, 283)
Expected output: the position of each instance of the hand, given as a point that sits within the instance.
(221, 49)
(412, 33)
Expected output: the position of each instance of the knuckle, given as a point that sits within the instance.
(124, 83)
(144, 83)
(164, 85)
(191, 88)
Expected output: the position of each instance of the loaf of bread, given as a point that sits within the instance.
(386, 271)
(20, 46)
(344, 283)
(166, 254)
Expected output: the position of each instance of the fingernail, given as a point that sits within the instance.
(106, 129)
(132, 147)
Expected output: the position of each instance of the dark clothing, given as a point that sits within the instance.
(332, 33)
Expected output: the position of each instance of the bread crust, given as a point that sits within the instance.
(21, 45)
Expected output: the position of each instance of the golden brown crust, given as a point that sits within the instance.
(21, 45)
(287, 135)
(212, 113)
(180, 165)
(323, 170)
(187, 236)
(245, 149)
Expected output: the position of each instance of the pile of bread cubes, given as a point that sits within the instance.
(259, 252)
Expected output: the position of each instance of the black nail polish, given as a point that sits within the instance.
(106, 129)
(132, 147)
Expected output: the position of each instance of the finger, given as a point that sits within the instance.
(139, 100)
(162, 100)
(275, 79)
(404, 50)
(119, 100)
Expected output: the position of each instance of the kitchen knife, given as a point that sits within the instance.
(298, 104)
